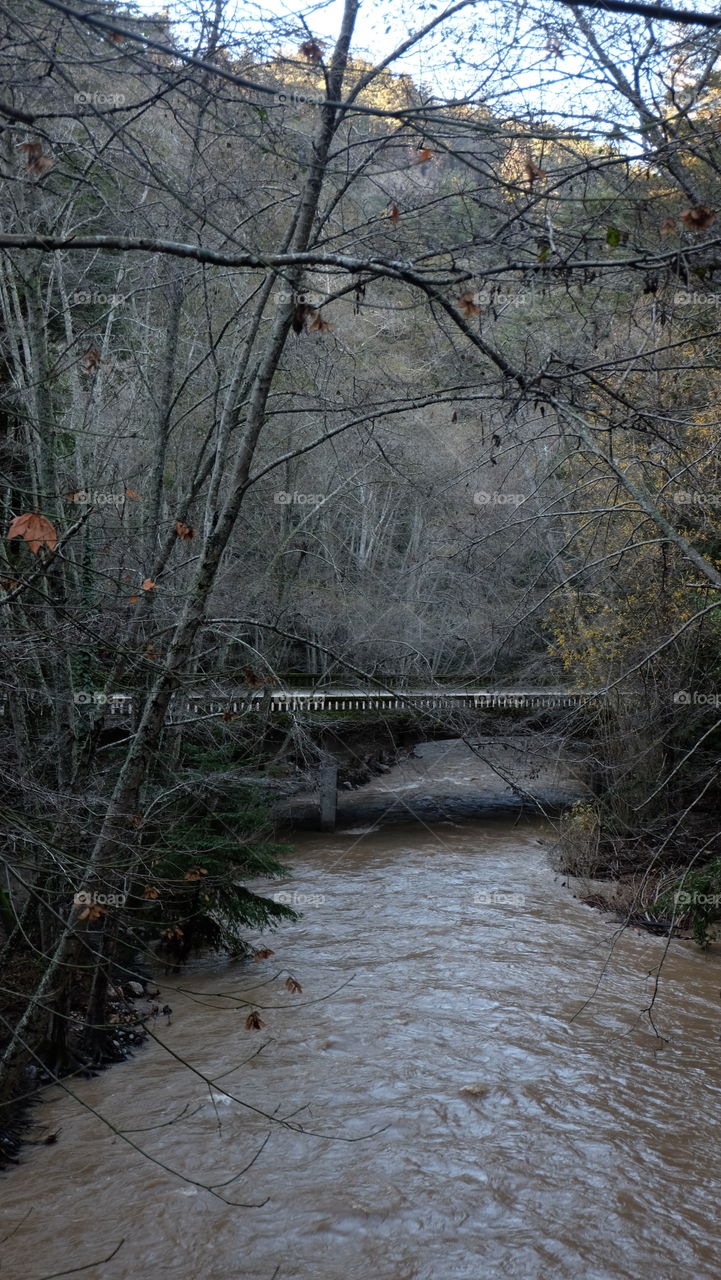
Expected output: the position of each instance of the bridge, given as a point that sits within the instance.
(274, 701)
(356, 701)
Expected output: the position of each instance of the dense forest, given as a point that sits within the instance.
(313, 370)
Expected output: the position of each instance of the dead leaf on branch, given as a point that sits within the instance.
(698, 217)
(312, 51)
(264, 954)
(424, 155)
(148, 585)
(532, 171)
(184, 531)
(468, 306)
(196, 873)
(394, 214)
(302, 314)
(318, 325)
(90, 360)
(668, 226)
(254, 1022)
(293, 986)
(35, 530)
(37, 161)
(92, 913)
(150, 892)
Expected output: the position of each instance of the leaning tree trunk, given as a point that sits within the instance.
(111, 852)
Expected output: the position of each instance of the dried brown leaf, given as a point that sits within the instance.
(35, 529)
(468, 306)
(698, 217)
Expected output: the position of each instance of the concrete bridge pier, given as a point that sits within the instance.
(328, 794)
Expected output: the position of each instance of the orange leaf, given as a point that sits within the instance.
(229, 715)
(148, 584)
(317, 325)
(254, 1022)
(185, 531)
(134, 599)
(90, 360)
(264, 954)
(293, 986)
(668, 226)
(698, 217)
(92, 913)
(468, 306)
(532, 171)
(424, 154)
(36, 530)
(131, 493)
(395, 213)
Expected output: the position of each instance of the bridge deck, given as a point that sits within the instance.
(282, 701)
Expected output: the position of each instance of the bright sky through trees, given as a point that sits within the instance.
(542, 74)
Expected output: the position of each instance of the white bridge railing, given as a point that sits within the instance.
(284, 701)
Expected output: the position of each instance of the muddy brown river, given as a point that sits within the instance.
(468, 1086)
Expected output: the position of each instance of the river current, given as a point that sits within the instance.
(468, 1085)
